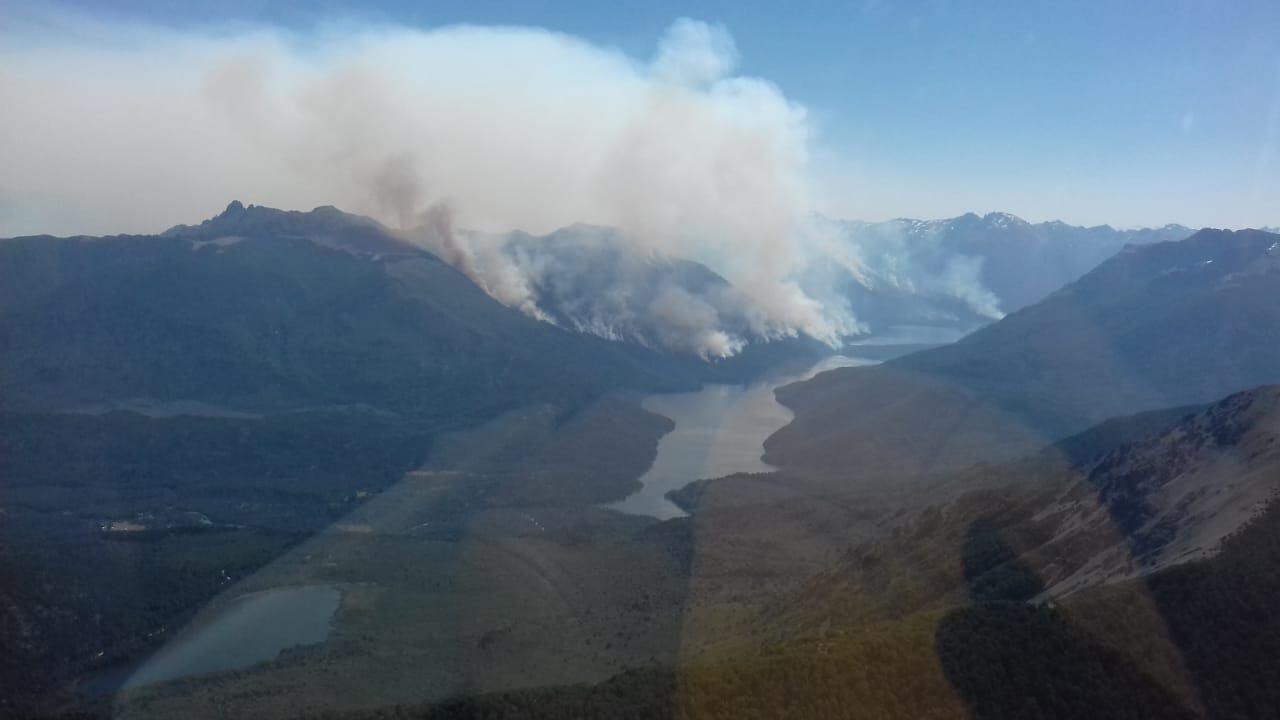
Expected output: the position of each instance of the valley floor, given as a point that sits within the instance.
(490, 582)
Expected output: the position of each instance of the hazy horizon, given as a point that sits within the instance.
(530, 117)
(214, 211)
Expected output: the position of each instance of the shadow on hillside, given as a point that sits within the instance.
(1007, 657)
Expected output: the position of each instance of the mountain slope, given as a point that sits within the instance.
(985, 266)
(265, 310)
(1066, 524)
(600, 281)
(902, 280)
(593, 280)
(1161, 325)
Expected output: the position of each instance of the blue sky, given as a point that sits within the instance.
(1122, 112)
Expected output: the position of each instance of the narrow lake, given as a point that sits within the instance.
(720, 430)
(253, 628)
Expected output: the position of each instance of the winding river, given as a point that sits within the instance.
(720, 430)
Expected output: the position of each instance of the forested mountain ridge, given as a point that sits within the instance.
(264, 310)
(1075, 522)
(1161, 325)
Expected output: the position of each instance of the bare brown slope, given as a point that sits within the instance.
(1065, 525)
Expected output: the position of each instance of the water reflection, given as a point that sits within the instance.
(254, 628)
(720, 430)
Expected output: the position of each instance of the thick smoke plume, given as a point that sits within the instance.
(456, 136)
(126, 128)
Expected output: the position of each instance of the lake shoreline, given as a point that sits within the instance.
(251, 628)
(719, 431)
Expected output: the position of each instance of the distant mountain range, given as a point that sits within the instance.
(1159, 325)
(263, 310)
(960, 273)
(903, 281)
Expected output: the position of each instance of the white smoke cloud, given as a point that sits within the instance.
(688, 320)
(911, 255)
(962, 279)
(112, 127)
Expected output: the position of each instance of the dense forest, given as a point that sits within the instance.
(80, 598)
